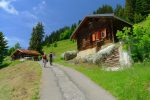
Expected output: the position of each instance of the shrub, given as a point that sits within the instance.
(138, 40)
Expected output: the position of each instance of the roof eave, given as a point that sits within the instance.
(74, 33)
(123, 20)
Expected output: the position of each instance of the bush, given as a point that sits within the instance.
(138, 40)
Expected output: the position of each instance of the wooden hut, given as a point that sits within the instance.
(19, 53)
(99, 29)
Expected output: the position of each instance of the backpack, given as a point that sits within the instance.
(44, 57)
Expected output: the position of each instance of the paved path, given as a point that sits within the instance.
(49, 86)
(63, 83)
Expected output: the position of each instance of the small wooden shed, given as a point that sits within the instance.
(99, 29)
(20, 53)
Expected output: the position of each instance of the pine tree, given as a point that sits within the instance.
(3, 47)
(104, 9)
(137, 18)
(119, 11)
(129, 10)
(137, 10)
(17, 46)
(10, 51)
(146, 7)
(36, 39)
(138, 6)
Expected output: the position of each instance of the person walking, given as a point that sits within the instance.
(44, 59)
(51, 58)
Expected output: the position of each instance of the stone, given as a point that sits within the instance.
(70, 55)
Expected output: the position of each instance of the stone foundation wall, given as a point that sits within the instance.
(84, 53)
(111, 55)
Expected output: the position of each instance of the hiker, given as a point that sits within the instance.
(51, 58)
(44, 59)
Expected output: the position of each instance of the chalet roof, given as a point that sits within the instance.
(28, 52)
(87, 18)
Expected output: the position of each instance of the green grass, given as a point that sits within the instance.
(129, 84)
(20, 81)
(62, 46)
(7, 62)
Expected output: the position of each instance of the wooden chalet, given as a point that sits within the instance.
(19, 53)
(99, 29)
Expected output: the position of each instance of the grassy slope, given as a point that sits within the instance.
(20, 81)
(62, 46)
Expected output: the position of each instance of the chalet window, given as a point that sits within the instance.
(93, 37)
(98, 36)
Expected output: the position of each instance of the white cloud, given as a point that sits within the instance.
(27, 14)
(7, 6)
(40, 7)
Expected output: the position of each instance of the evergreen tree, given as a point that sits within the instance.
(46, 41)
(3, 47)
(60, 34)
(104, 9)
(73, 27)
(146, 7)
(138, 6)
(137, 10)
(36, 39)
(119, 11)
(17, 46)
(11, 50)
(129, 10)
(137, 18)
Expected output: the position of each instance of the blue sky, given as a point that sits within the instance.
(17, 17)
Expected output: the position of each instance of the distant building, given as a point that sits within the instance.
(19, 53)
(96, 30)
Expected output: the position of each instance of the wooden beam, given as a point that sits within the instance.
(112, 30)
